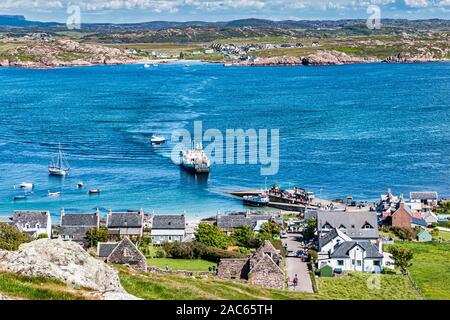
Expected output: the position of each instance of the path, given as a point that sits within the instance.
(295, 266)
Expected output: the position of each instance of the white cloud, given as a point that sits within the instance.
(417, 3)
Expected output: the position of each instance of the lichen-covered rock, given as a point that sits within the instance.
(66, 261)
(322, 58)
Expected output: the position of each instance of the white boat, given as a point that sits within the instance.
(195, 160)
(54, 194)
(155, 65)
(26, 185)
(157, 139)
(61, 166)
(146, 66)
(80, 184)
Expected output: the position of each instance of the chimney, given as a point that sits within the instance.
(97, 213)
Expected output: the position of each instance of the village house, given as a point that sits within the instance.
(228, 222)
(262, 268)
(426, 198)
(424, 236)
(403, 217)
(124, 252)
(73, 226)
(359, 226)
(34, 223)
(121, 224)
(168, 228)
(7, 220)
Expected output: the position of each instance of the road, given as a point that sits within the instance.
(295, 266)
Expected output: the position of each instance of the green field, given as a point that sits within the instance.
(444, 235)
(172, 287)
(36, 288)
(181, 264)
(430, 268)
(363, 286)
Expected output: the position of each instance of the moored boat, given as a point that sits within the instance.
(80, 185)
(60, 167)
(260, 200)
(94, 191)
(26, 185)
(157, 139)
(54, 194)
(20, 197)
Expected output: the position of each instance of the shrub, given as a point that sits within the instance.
(11, 238)
(197, 250)
(279, 246)
(212, 236)
(404, 233)
(160, 253)
(182, 251)
(95, 235)
(42, 236)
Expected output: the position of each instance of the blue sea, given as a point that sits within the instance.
(344, 130)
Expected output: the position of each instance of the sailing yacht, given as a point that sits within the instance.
(61, 166)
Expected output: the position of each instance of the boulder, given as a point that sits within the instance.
(324, 58)
(66, 261)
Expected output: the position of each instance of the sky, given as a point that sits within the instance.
(128, 11)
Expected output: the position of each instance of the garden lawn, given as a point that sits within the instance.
(355, 286)
(181, 264)
(430, 268)
(444, 235)
(153, 286)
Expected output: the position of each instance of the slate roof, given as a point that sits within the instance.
(343, 249)
(105, 248)
(232, 221)
(423, 195)
(419, 222)
(79, 219)
(125, 219)
(169, 222)
(352, 221)
(8, 220)
(31, 217)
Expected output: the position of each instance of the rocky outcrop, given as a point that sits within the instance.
(274, 61)
(408, 58)
(68, 262)
(325, 58)
(64, 53)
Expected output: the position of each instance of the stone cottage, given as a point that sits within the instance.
(121, 224)
(262, 268)
(124, 252)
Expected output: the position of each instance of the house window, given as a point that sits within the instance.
(376, 263)
(342, 226)
(327, 226)
(38, 226)
(367, 226)
(170, 238)
(358, 263)
(126, 253)
(340, 262)
(27, 226)
(353, 226)
(353, 261)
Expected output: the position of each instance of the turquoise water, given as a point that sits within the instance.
(344, 130)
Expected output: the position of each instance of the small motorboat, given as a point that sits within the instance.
(157, 139)
(26, 186)
(54, 194)
(256, 201)
(94, 191)
(80, 185)
(146, 66)
(155, 65)
(20, 197)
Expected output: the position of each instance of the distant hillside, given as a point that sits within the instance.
(7, 22)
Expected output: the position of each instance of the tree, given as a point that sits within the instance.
(269, 231)
(309, 229)
(212, 236)
(402, 257)
(244, 236)
(95, 235)
(11, 237)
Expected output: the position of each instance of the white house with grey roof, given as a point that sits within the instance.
(358, 225)
(34, 223)
(121, 224)
(168, 228)
(424, 197)
(73, 226)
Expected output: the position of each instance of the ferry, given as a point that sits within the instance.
(60, 167)
(195, 160)
(260, 200)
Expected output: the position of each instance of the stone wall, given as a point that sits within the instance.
(180, 272)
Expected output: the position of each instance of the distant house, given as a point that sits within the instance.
(34, 223)
(427, 198)
(424, 236)
(430, 218)
(168, 228)
(6, 219)
(227, 223)
(361, 256)
(262, 268)
(121, 224)
(124, 252)
(401, 217)
(357, 225)
(73, 226)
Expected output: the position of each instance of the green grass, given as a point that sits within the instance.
(36, 288)
(355, 286)
(173, 287)
(444, 235)
(181, 264)
(430, 268)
